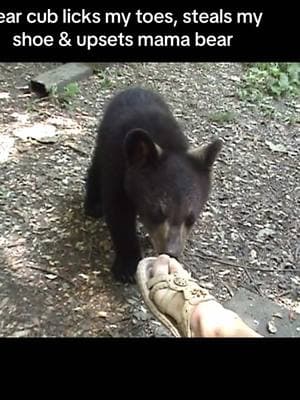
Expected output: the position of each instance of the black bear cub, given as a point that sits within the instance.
(142, 165)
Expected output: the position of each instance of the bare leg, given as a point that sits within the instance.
(211, 319)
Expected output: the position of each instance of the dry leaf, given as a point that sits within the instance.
(51, 276)
(271, 327)
(279, 148)
(102, 314)
(265, 232)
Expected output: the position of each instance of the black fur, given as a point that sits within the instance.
(141, 165)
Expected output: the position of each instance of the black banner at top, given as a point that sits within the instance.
(139, 34)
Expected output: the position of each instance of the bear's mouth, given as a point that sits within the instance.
(168, 239)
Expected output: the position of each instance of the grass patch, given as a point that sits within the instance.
(66, 95)
(222, 117)
(270, 79)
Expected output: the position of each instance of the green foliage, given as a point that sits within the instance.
(221, 117)
(71, 90)
(65, 95)
(270, 79)
(105, 81)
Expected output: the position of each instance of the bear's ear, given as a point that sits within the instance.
(140, 150)
(205, 156)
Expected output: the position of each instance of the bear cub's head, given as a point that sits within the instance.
(168, 188)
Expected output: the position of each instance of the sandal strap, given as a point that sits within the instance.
(182, 282)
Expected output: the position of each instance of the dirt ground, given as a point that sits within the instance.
(55, 275)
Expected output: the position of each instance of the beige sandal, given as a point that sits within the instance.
(180, 282)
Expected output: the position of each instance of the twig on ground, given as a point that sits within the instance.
(218, 260)
(284, 293)
(229, 289)
(76, 149)
(19, 242)
(46, 271)
(253, 282)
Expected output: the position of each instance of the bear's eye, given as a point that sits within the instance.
(190, 220)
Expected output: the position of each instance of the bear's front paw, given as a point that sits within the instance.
(124, 268)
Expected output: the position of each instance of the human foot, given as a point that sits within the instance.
(170, 293)
(182, 305)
